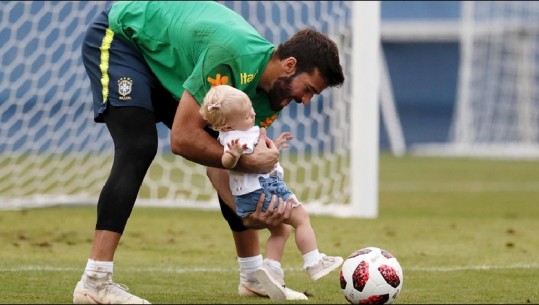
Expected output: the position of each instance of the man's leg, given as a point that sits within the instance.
(104, 245)
(246, 241)
(135, 145)
(131, 125)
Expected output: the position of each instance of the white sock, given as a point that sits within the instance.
(311, 258)
(97, 270)
(248, 266)
(274, 264)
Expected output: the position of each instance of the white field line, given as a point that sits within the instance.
(460, 187)
(233, 270)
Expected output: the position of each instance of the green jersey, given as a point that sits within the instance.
(193, 46)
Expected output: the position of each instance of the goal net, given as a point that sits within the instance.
(497, 109)
(53, 153)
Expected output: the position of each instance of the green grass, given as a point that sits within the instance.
(464, 231)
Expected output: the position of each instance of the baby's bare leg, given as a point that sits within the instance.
(299, 219)
(277, 241)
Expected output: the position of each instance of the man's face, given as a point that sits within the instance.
(299, 88)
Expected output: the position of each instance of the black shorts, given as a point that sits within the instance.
(119, 75)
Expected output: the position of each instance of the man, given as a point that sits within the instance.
(152, 62)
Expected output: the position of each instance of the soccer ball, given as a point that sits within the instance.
(371, 276)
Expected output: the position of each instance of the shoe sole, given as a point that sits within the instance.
(327, 270)
(292, 295)
(273, 288)
(82, 298)
(244, 291)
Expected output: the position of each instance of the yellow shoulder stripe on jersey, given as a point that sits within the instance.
(104, 64)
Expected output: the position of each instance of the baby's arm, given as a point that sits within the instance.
(280, 142)
(232, 155)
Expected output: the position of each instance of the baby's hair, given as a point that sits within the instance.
(220, 102)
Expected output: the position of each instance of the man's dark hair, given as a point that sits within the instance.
(313, 49)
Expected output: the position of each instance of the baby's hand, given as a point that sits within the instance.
(235, 148)
(280, 142)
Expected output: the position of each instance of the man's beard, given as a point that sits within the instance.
(281, 90)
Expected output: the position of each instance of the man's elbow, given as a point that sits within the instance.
(176, 149)
(177, 145)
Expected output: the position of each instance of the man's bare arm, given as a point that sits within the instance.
(189, 140)
(188, 137)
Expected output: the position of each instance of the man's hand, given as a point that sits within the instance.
(272, 217)
(263, 159)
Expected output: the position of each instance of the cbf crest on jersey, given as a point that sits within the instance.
(124, 88)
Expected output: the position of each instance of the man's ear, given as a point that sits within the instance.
(290, 65)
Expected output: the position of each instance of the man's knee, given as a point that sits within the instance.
(234, 221)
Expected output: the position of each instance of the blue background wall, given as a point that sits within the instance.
(423, 74)
(420, 10)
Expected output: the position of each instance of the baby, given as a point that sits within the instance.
(230, 112)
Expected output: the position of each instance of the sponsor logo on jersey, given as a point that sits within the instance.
(125, 85)
(268, 121)
(218, 80)
(246, 78)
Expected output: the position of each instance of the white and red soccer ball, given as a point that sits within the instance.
(371, 276)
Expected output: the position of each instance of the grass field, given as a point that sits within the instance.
(464, 231)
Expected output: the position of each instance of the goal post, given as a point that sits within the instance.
(53, 153)
(497, 109)
(365, 72)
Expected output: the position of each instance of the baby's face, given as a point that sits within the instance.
(242, 120)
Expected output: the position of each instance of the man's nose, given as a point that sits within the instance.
(306, 98)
